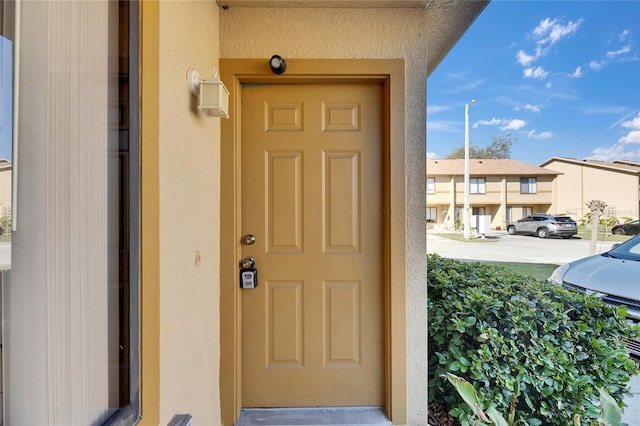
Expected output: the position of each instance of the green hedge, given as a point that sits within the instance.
(517, 338)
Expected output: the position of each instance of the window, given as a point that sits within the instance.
(124, 386)
(478, 211)
(477, 185)
(85, 264)
(431, 214)
(527, 211)
(431, 185)
(528, 185)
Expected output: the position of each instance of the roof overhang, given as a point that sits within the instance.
(445, 20)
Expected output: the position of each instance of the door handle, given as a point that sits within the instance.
(249, 239)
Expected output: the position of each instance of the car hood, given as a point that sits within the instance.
(606, 275)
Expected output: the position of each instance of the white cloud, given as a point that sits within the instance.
(625, 148)
(634, 123)
(432, 156)
(623, 35)
(551, 31)
(577, 73)
(595, 65)
(621, 51)
(537, 72)
(559, 31)
(546, 34)
(493, 122)
(610, 153)
(543, 27)
(632, 137)
(532, 134)
(514, 124)
(529, 107)
(615, 152)
(548, 85)
(524, 59)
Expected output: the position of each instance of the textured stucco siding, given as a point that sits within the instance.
(579, 184)
(361, 34)
(189, 161)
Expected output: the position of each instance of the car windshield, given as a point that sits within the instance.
(629, 250)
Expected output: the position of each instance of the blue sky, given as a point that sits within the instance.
(562, 77)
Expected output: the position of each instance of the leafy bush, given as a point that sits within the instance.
(610, 413)
(626, 219)
(604, 221)
(524, 340)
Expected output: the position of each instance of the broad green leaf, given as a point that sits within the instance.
(468, 393)
(610, 414)
(496, 417)
(576, 420)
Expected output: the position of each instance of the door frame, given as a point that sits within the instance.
(389, 73)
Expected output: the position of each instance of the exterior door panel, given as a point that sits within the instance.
(313, 329)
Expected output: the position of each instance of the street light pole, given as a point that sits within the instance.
(465, 213)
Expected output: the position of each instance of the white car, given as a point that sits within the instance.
(613, 276)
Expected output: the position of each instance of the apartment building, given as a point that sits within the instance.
(503, 189)
(616, 183)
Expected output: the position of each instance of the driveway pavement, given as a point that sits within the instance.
(514, 248)
(520, 248)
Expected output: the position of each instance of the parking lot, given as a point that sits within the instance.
(519, 248)
(501, 246)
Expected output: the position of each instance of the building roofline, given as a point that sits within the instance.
(621, 166)
(486, 167)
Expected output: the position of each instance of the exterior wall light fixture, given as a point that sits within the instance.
(213, 97)
(277, 64)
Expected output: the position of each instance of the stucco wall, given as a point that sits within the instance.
(366, 34)
(189, 158)
(579, 184)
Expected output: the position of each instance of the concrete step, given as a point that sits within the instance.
(344, 416)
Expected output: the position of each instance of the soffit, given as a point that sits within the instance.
(445, 20)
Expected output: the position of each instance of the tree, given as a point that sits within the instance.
(597, 209)
(500, 147)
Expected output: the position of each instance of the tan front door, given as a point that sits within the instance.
(312, 195)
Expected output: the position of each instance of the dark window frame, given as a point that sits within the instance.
(477, 182)
(432, 218)
(528, 185)
(431, 186)
(130, 411)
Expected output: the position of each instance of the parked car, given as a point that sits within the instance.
(629, 228)
(613, 276)
(544, 225)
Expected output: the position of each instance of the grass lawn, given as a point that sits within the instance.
(540, 271)
(603, 234)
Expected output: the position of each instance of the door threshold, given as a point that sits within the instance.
(344, 416)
